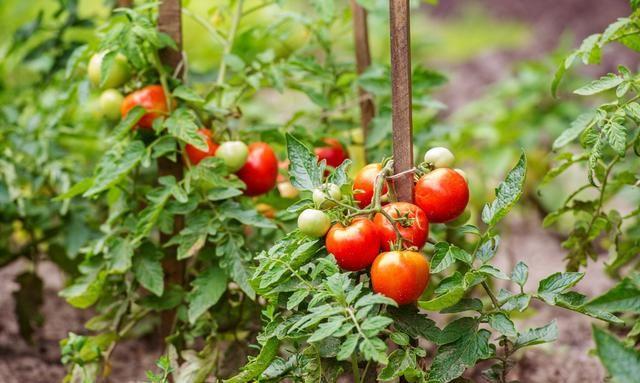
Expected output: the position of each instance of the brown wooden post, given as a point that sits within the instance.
(124, 3)
(170, 22)
(363, 61)
(401, 97)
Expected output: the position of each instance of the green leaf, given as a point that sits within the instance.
(465, 304)
(493, 271)
(148, 269)
(304, 170)
(577, 127)
(85, 290)
(340, 176)
(507, 193)
(187, 94)
(400, 362)
(76, 189)
(348, 347)
(445, 255)
(326, 329)
(208, 287)
(605, 82)
(622, 363)
(114, 165)
(624, 297)
(616, 135)
(414, 323)
(557, 283)
(128, 122)
(259, 364)
(376, 324)
(452, 359)
(233, 210)
(218, 193)
(119, 256)
(511, 302)
(374, 349)
(501, 323)
(545, 334)
(520, 274)
(451, 297)
(182, 125)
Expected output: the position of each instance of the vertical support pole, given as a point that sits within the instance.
(363, 61)
(401, 97)
(124, 3)
(170, 22)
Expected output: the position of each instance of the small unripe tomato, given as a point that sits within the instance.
(400, 275)
(313, 223)
(234, 154)
(117, 74)
(196, 155)
(329, 190)
(152, 99)
(439, 157)
(334, 153)
(287, 190)
(364, 184)
(411, 222)
(110, 103)
(354, 246)
(260, 171)
(443, 194)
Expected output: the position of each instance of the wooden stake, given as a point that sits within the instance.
(125, 3)
(170, 22)
(363, 61)
(401, 97)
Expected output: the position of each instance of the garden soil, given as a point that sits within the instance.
(565, 361)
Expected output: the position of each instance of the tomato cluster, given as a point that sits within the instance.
(256, 164)
(387, 236)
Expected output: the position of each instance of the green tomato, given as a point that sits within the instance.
(320, 195)
(314, 223)
(234, 154)
(117, 74)
(110, 102)
(439, 157)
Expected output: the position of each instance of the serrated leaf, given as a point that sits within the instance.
(348, 347)
(606, 82)
(376, 324)
(184, 93)
(208, 288)
(622, 362)
(616, 135)
(148, 270)
(234, 210)
(493, 271)
(182, 125)
(507, 193)
(304, 170)
(119, 256)
(296, 298)
(577, 127)
(545, 334)
(445, 255)
(623, 297)
(115, 164)
(520, 273)
(557, 283)
(326, 330)
(452, 359)
(488, 248)
(465, 304)
(512, 302)
(501, 323)
(375, 299)
(340, 175)
(445, 300)
(414, 323)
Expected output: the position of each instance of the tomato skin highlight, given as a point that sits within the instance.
(443, 194)
(196, 155)
(400, 275)
(260, 171)
(334, 153)
(354, 246)
(364, 183)
(415, 234)
(152, 99)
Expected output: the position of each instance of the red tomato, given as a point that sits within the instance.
(260, 171)
(354, 246)
(412, 224)
(443, 194)
(150, 98)
(334, 153)
(400, 275)
(364, 183)
(196, 155)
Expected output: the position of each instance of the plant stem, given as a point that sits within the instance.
(355, 368)
(229, 43)
(494, 300)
